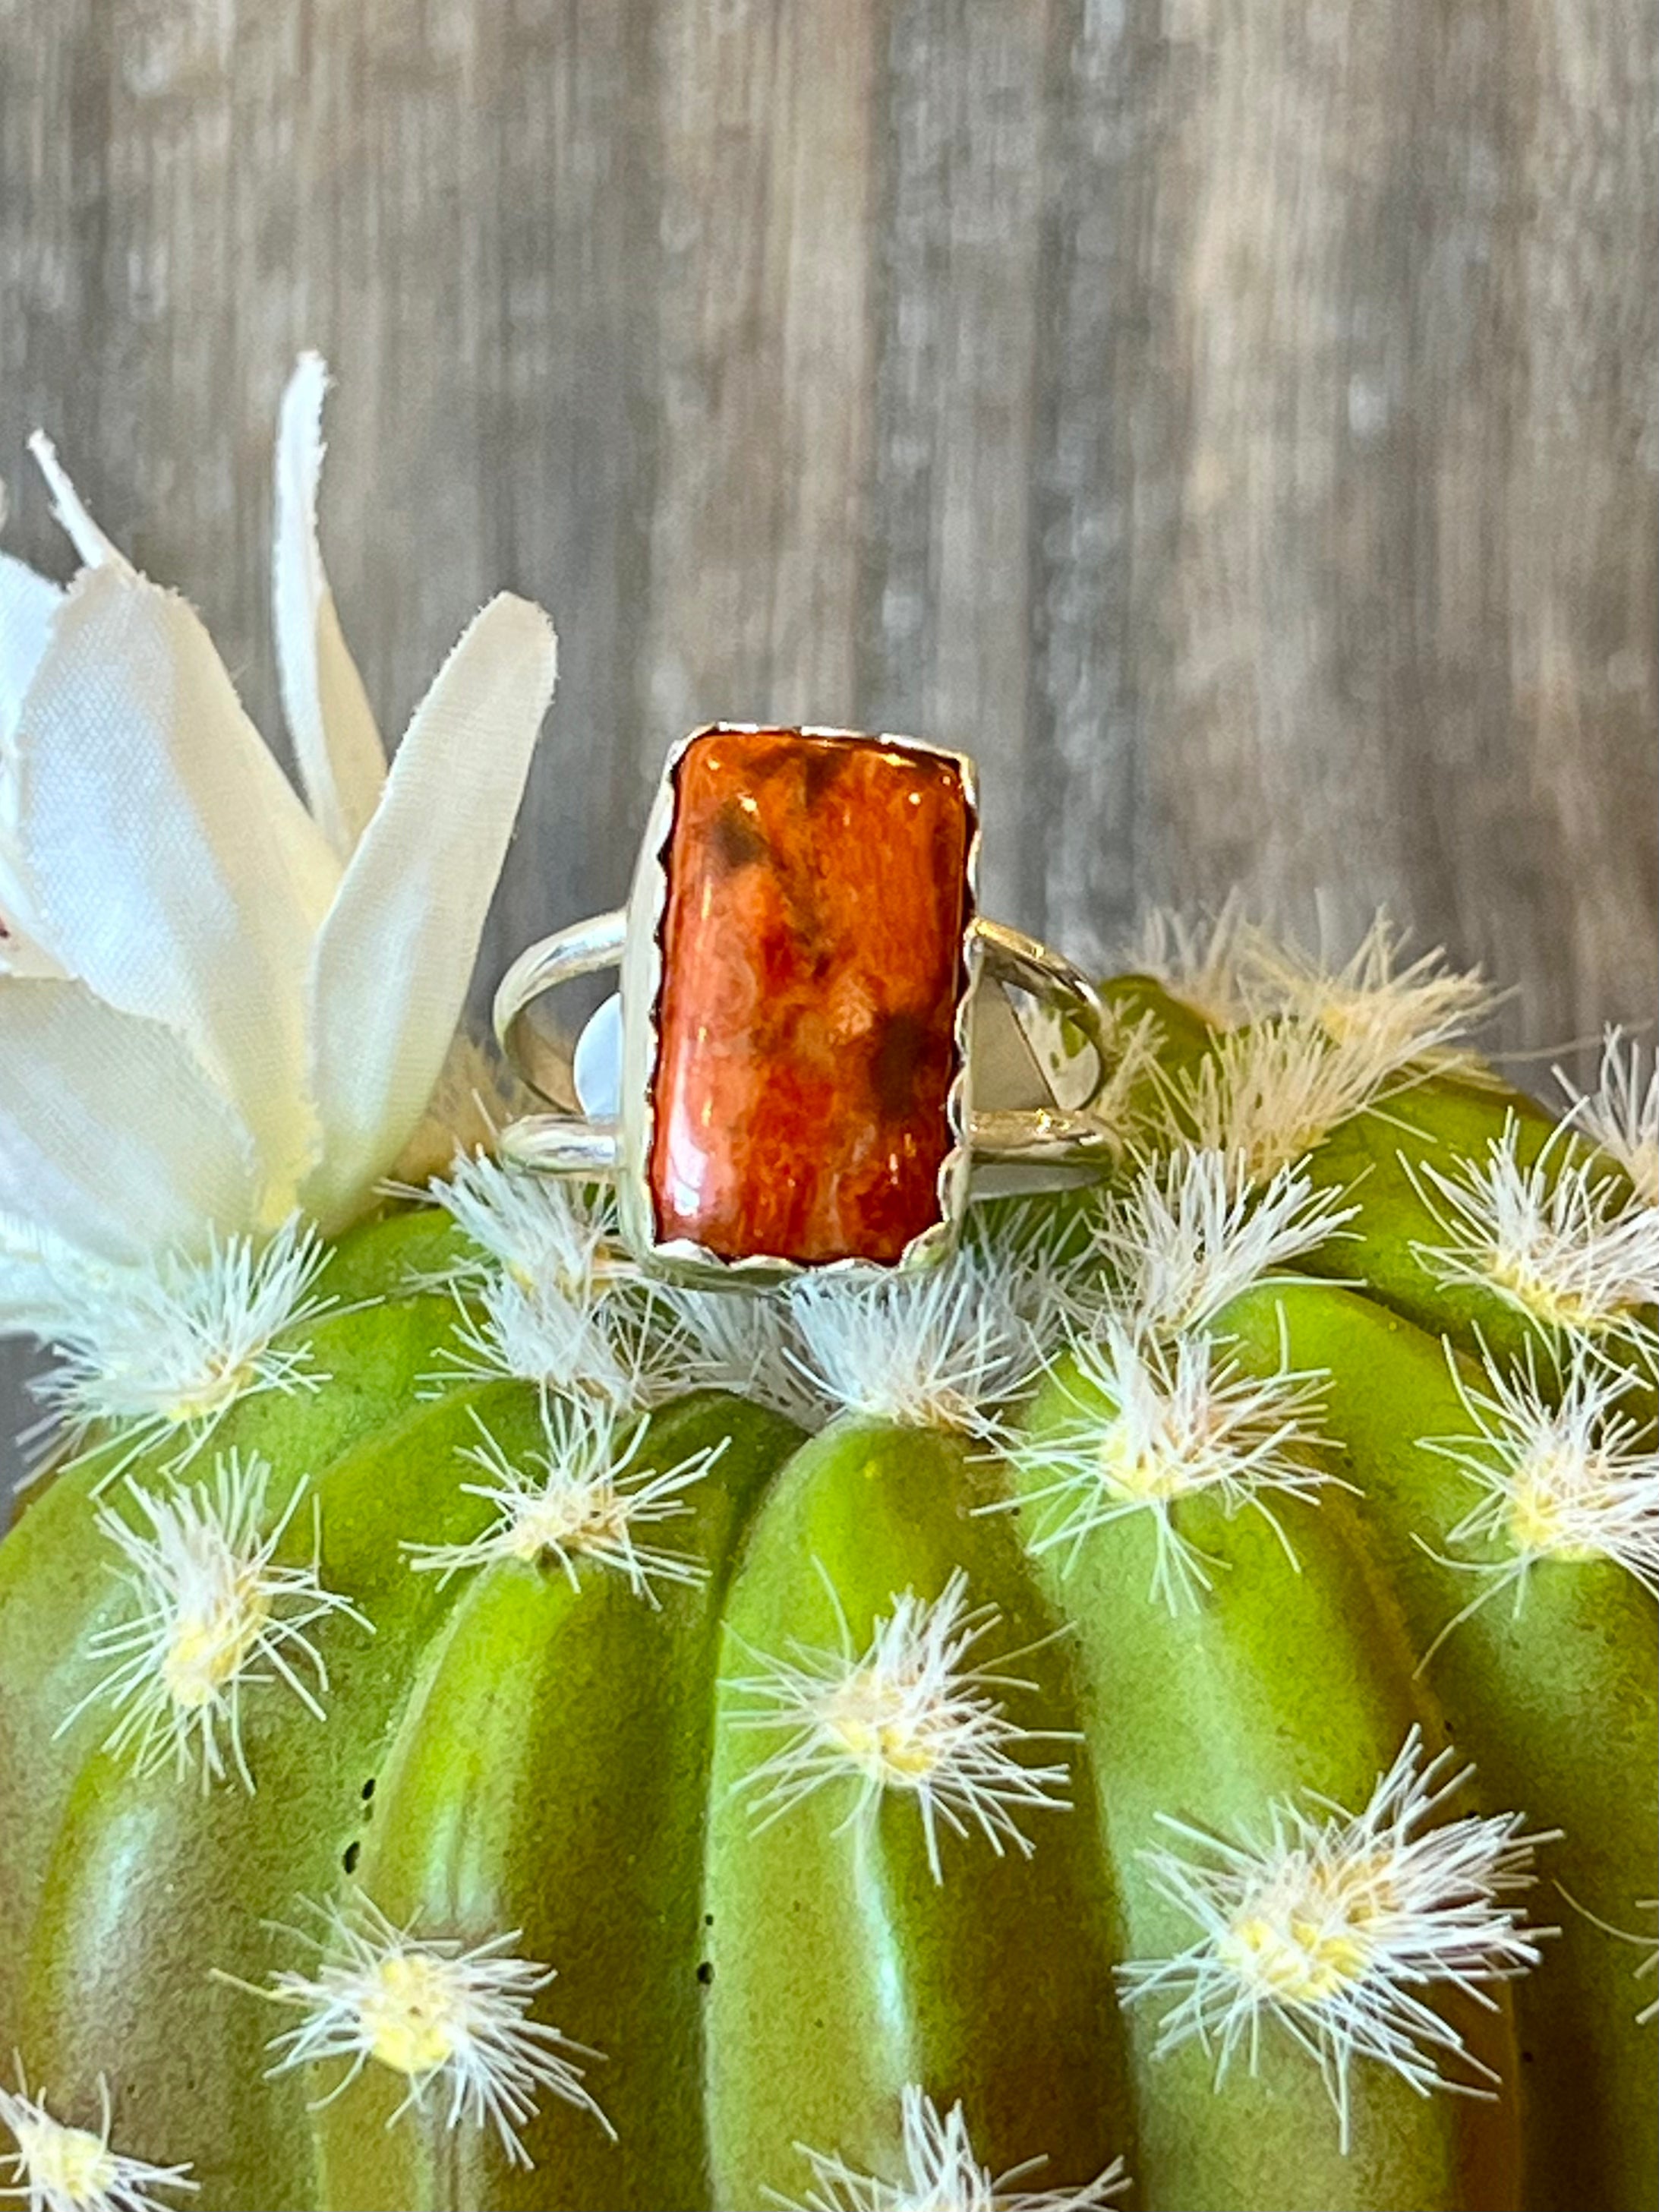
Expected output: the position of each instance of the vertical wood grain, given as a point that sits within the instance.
(1275, 758)
(947, 612)
(1578, 548)
(761, 369)
(1105, 471)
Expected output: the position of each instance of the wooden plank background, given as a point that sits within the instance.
(1235, 421)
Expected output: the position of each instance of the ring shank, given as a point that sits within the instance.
(570, 1143)
(576, 1144)
(1045, 1133)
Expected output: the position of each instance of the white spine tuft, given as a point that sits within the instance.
(165, 1351)
(215, 1616)
(1622, 1115)
(1562, 1472)
(621, 1347)
(746, 1341)
(909, 1715)
(1330, 1927)
(938, 1350)
(554, 1297)
(1042, 1263)
(59, 2168)
(1270, 1093)
(1155, 1421)
(1194, 1231)
(548, 1233)
(1393, 1011)
(587, 1497)
(942, 2174)
(1562, 1240)
(1197, 958)
(1116, 1105)
(453, 2020)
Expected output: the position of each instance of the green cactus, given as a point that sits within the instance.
(1185, 1715)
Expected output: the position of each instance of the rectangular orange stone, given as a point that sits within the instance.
(811, 964)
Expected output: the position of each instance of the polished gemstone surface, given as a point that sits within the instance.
(811, 964)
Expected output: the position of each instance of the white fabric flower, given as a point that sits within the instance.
(219, 1004)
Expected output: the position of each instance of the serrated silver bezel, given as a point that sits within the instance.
(682, 1260)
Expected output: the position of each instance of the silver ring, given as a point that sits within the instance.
(800, 957)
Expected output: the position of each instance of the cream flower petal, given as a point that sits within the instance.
(111, 1137)
(336, 745)
(18, 953)
(39, 1276)
(394, 958)
(170, 865)
(27, 605)
(96, 551)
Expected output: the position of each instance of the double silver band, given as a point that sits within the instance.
(576, 1144)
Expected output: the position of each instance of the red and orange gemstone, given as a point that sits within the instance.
(811, 965)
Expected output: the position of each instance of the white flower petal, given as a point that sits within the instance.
(336, 745)
(111, 1137)
(39, 1276)
(171, 864)
(20, 955)
(67, 505)
(27, 605)
(395, 956)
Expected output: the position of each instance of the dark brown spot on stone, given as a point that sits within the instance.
(825, 764)
(901, 1041)
(773, 753)
(733, 839)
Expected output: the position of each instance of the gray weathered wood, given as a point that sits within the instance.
(1234, 420)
